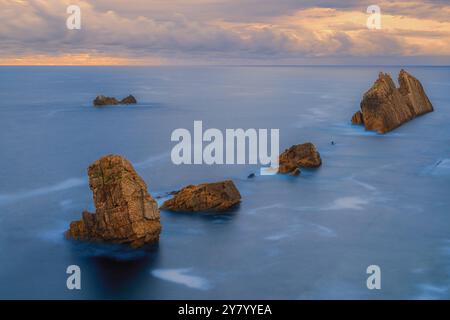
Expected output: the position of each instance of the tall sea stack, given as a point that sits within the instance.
(385, 107)
(124, 210)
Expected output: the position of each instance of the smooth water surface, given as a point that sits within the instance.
(382, 200)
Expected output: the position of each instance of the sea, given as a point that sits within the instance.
(377, 200)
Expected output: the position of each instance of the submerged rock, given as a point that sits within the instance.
(108, 101)
(218, 196)
(385, 107)
(300, 155)
(125, 211)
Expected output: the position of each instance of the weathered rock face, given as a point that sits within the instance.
(107, 101)
(415, 95)
(385, 107)
(125, 211)
(300, 155)
(218, 196)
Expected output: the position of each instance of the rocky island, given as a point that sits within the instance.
(124, 210)
(299, 156)
(108, 101)
(385, 107)
(218, 196)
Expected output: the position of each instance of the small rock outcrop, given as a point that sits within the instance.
(108, 101)
(125, 211)
(129, 100)
(105, 101)
(299, 155)
(218, 196)
(357, 118)
(385, 107)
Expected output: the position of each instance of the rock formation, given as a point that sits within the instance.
(129, 100)
(125, 211)
(357, 118)
(218, 196)
(300, 155)
(107, 101)
(385, 107)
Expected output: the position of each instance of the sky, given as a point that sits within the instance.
(224, 32)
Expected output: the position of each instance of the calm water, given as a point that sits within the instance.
(381, 200)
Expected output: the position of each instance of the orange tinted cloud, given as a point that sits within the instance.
(414, 35)
(217, 31)
(75, 60)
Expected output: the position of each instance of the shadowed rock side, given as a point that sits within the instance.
(128, 100)
(358, 118)
(299, 155)
(218, 196)
(384, 107)
(108, 101)
(125, 211)
(105, 101)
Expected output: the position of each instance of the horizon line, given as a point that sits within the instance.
(228, 65)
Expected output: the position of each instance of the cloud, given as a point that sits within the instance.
(219, 31)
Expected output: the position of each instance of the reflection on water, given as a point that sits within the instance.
(116, 274)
